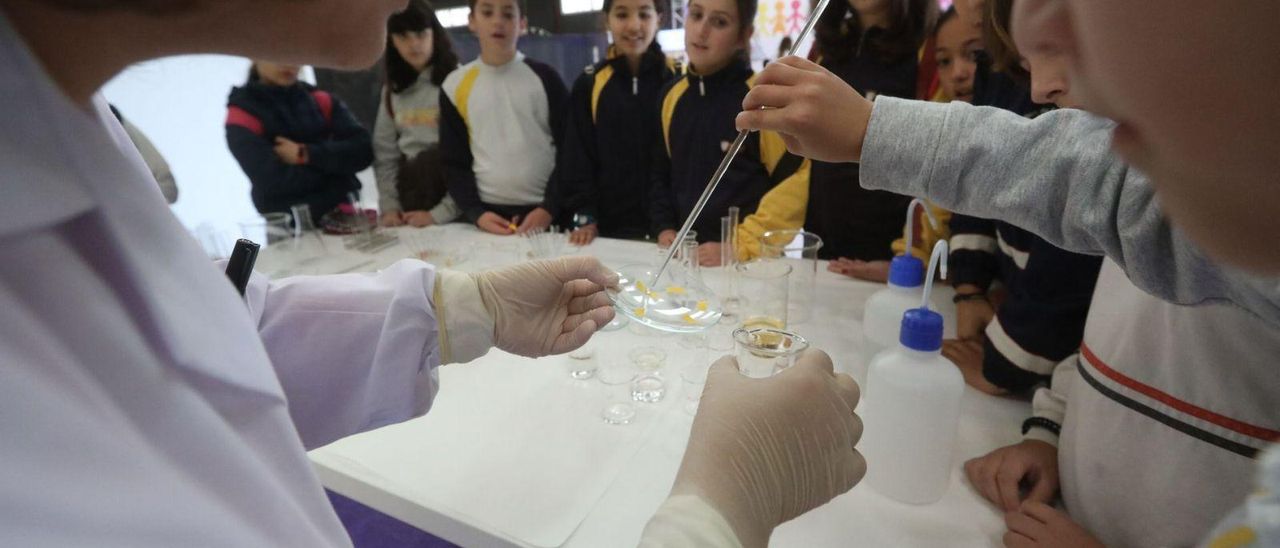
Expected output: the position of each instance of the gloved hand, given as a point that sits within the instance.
(547, 307)
(763, 451)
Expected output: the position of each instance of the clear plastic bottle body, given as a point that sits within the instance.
(882, 316)
(910, 411)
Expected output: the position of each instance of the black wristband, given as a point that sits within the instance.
(962, 297)
(1041, 422)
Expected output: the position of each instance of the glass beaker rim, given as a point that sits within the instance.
(813, 241)
(754, 269)
(747, 338)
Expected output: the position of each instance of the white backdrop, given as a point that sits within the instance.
(181, 103)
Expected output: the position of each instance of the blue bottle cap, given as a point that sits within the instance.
(906, 271)
(921, 330)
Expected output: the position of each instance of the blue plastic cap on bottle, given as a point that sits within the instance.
(921, 330)
(906, 271)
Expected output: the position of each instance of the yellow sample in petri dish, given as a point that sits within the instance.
(685, 305)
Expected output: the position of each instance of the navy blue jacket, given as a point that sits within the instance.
(337, 146)
(855, 222)
(605, 165)
(695, 128)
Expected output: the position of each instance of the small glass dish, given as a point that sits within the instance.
(674, 303)
(648, 389)
(647, 358)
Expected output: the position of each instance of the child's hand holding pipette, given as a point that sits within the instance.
(818, 115)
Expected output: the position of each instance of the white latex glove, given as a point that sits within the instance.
(547, 307)
(763, 451)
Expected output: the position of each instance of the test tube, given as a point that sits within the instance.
(727, 253)
(732, 241)
(690, 259)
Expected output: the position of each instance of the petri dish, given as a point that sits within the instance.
(619, 321)
(668, 304)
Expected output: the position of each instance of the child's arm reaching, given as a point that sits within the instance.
(1056, 177)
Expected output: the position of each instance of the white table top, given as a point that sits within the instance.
(514, 452)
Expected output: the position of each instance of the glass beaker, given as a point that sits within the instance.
(271, 228)
(762, 290)
(616, 373)
(798, 248)
(650, 386)
(307, 240)
(764, 351)
(582, 362)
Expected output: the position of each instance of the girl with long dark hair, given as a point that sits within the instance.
(411, 182)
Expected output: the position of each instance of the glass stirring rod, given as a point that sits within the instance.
(729, 156)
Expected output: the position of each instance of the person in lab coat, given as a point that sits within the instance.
(143, 404)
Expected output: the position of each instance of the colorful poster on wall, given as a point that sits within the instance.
(775, 20)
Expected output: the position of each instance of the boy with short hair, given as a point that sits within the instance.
(500, 123)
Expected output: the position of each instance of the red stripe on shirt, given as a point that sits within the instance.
(237, 116)
(1185, 407)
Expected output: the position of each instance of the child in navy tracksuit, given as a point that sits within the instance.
(696, 127)
(605, 163)
(297, 144)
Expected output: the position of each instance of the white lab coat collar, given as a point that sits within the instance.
(40, 181)
(60, 161)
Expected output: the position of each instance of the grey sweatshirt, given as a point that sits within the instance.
(1057, 177)
(416, 127)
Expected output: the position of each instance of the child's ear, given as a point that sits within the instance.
(524, 24)
(471, 21)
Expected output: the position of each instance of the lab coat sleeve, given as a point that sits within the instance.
(355, 352)
(687, 520)
(1056, 177)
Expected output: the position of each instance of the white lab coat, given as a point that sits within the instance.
(141, 402)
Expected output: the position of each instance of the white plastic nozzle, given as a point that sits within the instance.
(911, 225)
(938, 260)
